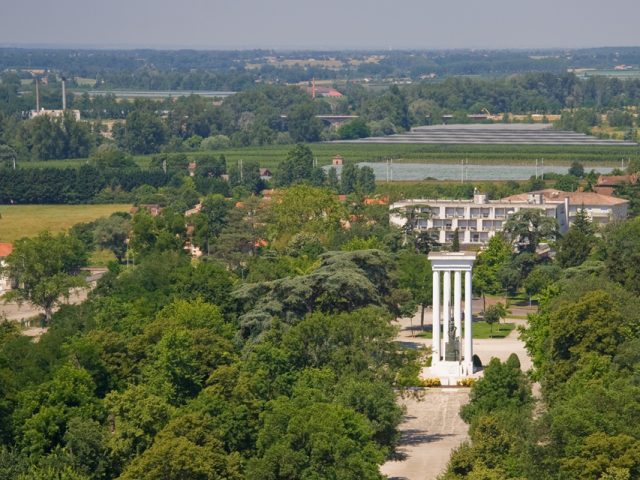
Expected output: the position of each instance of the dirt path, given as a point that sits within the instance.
(431, 430)
(432, 427)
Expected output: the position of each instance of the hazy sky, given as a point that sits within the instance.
(321, 23)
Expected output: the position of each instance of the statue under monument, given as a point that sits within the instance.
(452, 345)
(452, 355)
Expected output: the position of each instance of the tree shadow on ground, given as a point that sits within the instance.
(411, 345)
(413, 437)
(415, 329)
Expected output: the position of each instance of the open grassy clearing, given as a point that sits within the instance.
(270, 156)
(483, 330)
(101, 258)
(28, 220)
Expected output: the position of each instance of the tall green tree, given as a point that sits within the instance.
(142, 133)
(574, 248)
(622, 251)
(112, 233)
(45, 270)
(296, 167)
(302, 208)
(303, 124)
(211, 220)
(414, 274)
(527, 227)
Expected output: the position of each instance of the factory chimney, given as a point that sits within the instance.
(64, 94)
(37, 94)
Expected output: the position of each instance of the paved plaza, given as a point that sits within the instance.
(432, 427)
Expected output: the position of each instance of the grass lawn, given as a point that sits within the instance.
(101, 258)
(28, 220)
(483, 330)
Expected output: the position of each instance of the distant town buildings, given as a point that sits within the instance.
(323, 91)
(54, 113)
(479, 219)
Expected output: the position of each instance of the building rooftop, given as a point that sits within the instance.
(5, 249)
(613, 180)
(551, 195)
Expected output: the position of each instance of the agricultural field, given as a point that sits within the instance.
(270, 156)
(19, 221)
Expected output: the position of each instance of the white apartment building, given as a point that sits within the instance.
(479, 219)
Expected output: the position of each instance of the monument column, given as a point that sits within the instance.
(446, 308)
(468, 319)
(457, 305)
(451, 361)
(435, 314)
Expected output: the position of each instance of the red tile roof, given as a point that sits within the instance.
(613, 180)
(5, 249)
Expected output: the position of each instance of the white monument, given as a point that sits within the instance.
(452, 351)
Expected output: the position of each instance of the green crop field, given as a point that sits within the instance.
(19, 221)
(270, 156)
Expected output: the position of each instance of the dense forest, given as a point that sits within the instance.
(270, 357)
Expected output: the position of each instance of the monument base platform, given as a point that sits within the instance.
(450, 373)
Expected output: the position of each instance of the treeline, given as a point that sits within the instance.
(271, 114)
(622, 122)
(256, 63)
(71, 185)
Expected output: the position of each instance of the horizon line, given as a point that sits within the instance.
(316, 48)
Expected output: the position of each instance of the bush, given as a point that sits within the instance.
(431, 382)
(477, 363)
(513, 361)
(215, 142)
(467, 382)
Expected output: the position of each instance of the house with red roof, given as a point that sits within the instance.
(607, 183)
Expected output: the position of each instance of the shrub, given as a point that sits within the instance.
(467, 382)
(431, 382)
